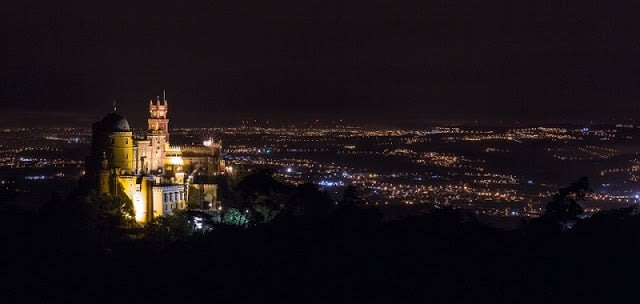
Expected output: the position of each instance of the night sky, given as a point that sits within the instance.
(369, 61)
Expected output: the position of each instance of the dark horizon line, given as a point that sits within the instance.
(36, 119)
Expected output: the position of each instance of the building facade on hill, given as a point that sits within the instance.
(158, 178)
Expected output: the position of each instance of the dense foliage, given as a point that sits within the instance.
(314, 250)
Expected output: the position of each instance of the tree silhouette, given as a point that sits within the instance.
(82, 219)
(351, 213)
(308, 201)
(260, 194)
(564, 205)
(169, 227)
(351, 196)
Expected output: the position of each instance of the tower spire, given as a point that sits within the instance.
(164, 95)
(115, 107)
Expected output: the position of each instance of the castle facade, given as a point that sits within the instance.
(157, 177)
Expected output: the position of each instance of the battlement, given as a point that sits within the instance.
(158, 109)
(200, 150)
(158, 121)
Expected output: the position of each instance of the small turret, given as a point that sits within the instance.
(104, 161)
(104, 177)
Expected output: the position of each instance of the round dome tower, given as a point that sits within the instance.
(115, 122)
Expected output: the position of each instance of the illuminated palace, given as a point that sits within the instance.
(158, 178)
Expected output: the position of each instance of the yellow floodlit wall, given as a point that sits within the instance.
(122, 150)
